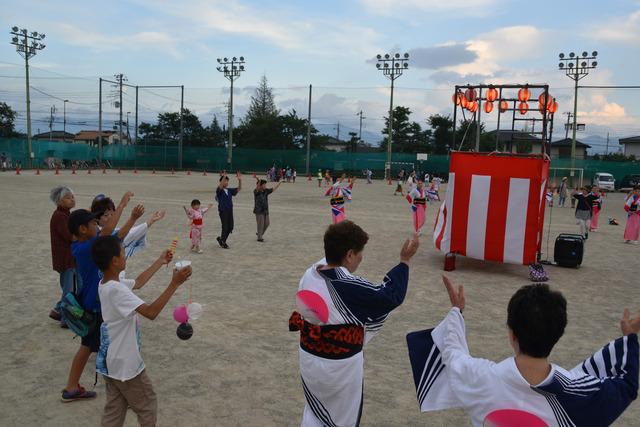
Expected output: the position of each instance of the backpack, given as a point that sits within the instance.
(79, 320)
(537, 273)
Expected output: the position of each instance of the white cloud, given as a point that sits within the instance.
(599, 110)
(76, 36)
(393, 7)
(622, 29)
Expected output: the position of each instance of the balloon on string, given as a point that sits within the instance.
(180, 314)
(194, 311)
(184, 331)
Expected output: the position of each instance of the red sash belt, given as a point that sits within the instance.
(197, 221)
(419, 201)
(328, 341)
(337, 200)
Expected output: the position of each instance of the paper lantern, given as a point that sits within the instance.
(455, 98)
(488, 107)
(473, 106)
(463, 102)
(554, 106)
(470, 94)
(541, 100)
(523, 107)
(504, 106)
(492, 94)
(524, 94)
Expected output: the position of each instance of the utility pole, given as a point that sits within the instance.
(120, 78)
(52, 112)
(64, 120)
(392, 68)
(309, 133)
(360, 130)
(338, 132)
(128, 134)
(576, 68)
(607, 149)
(231, 70)
(21, 39)
(567, 125)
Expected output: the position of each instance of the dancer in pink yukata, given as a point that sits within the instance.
(632, 206)
(417, 198)
(195, 214)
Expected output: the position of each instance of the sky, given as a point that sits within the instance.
(331, 45)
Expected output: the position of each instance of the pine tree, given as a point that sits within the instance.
(262, 103)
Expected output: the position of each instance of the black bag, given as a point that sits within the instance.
(79, 320)
(568, 250)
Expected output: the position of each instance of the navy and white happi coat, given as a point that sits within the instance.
(594, 393)
(333, 387)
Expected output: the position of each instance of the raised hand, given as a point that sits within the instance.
(166, 257)
(137, 212)
(125, 198)
(456, 296)
(629, 325)
(181, 276)
(409, 248)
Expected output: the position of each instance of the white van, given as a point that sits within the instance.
(604, 181)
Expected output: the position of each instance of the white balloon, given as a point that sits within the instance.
(194, 310)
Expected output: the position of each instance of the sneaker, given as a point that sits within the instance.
(78, 394)
(225, 246)
(220, 242)
(63, 325)
(260, 240)
(55, 315)
(199, 251)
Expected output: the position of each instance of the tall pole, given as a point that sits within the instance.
(64, 120)
(231, 70)
(21, 38)
(181, 126)
(390, 131)
(120, 121)
(478, 115)
(100, 121)
(135, 131)
(309, 133)
(607, 149)
(230, 148)
(392, 66)
(566, 131)
(575, 124)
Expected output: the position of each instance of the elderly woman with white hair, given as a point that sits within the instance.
(61, 239)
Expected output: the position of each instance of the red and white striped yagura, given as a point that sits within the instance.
(494, 207)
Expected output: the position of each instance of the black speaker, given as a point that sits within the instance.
(568, 250)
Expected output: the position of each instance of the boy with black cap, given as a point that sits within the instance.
(84, 227)
(224, 197)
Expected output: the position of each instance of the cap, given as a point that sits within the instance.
(79, 217)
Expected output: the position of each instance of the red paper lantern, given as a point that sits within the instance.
(488, 107)
(523, 107)
(473, 106)
(463, 102)
(541, 101)
(492, 94)
(457, 97)
(554, 106)
(524, 94)
(470, 94)
(504, 106)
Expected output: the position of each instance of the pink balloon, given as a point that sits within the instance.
(180, 314)
(513, 418)
(312, 307)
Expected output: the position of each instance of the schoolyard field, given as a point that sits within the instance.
(240, 368)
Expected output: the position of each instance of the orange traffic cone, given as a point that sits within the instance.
(135, 171)
(254, 174)
(173, 172)
(204, 173)
(104, 171)
(309, 177)
(119, 171)
(389, 182)
(18, 170)
(154, 172)
(188, 171)
(37, 171)
(57, 171)
(89, 171)
(73, 171)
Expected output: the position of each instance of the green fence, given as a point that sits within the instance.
(165, 156)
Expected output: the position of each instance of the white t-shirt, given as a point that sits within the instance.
(119, 355)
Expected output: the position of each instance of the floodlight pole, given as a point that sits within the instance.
(576, 68)
(309, 134)
(231, 70)
(392, 66)
(21, 38)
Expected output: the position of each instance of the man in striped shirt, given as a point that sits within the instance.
(526, 386)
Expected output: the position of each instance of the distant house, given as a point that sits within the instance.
(631, 146)
(91, 137)
(333, 144)
(55, 135)
(562, 149)
(516, 141)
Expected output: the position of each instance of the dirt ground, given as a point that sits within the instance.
(240, 367)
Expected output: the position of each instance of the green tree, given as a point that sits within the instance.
(168, 128)
(408, 136)
(262, 105)
(7, 117)
(442, 133)
(215, 136)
